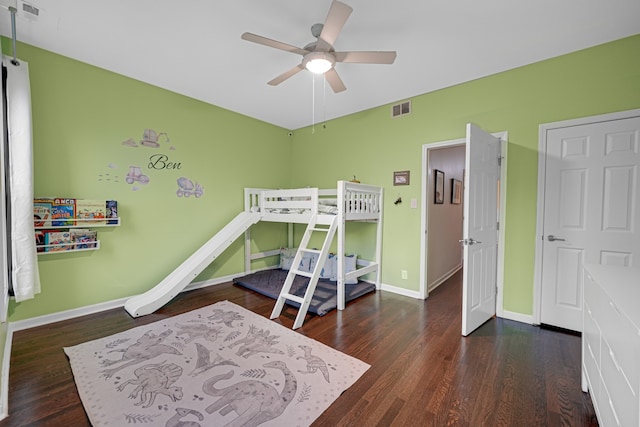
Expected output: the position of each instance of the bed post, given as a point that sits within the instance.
(379, 239)
(247, 234)
(340, 264)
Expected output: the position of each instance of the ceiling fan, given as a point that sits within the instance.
(319, 56)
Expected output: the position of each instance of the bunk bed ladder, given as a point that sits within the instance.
(321, 224)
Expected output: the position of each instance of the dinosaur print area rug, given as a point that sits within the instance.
(220, 365)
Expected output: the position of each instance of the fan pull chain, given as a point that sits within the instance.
(313, 103)
(324, 103)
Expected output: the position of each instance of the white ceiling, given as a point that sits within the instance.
(193, 47)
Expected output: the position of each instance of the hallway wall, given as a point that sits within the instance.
(444, 254)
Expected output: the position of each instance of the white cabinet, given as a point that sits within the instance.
(611, 343)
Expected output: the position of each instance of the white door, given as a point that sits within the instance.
(591, 210)
(480, 228)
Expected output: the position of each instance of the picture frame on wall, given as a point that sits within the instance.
(401, 178)
(456, 191)
(439, 187)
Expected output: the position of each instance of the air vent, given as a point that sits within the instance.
(401, 109)
(29, 8)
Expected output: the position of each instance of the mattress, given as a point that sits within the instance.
(270, 282)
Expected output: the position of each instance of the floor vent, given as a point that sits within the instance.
(401, 109)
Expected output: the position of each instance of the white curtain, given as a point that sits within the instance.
(25, 279)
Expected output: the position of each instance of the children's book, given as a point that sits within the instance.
(57, 241)
(112, 211)
(63, 212)
(42, 212)
(90, 212)
(40, 240)
(83, 239)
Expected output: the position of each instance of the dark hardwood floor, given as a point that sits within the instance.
(423, 372)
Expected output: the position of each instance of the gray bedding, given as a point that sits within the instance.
(269, 283)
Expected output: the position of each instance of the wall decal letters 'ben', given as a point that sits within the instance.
(161, 161)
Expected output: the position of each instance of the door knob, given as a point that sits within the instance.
(553, 238)
(469, 241)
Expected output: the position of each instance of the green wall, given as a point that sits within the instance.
(82, 114)
(371, 145)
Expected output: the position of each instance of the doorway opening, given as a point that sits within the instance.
(429, 280)
(444, 213)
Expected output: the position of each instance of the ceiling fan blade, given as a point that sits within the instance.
(336, 18)
(273, 43)
(366, 57)
(334, 80)
(284, 76)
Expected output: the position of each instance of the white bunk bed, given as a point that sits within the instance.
(324, 211)
(348, 202)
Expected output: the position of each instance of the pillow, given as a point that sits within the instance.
(329, 268)
(286, 257)
(332, 210)
(308, 262)
(349, 265)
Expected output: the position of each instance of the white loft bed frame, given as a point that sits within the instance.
(351, 201)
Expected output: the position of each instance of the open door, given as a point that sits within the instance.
(480, 228)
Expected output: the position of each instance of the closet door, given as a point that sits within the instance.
(591, 210)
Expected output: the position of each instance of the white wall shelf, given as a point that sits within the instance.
(86, 223)
(63, 248)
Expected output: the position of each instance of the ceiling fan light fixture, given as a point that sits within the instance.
(319, 62)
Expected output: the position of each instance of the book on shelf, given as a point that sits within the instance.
(40, 240)
(91, 212)
(83, 238)
(42, 212)
(63, 212)
(112, 211)
(57, 241)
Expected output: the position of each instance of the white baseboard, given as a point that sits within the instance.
(400, 291)
(108, 305)
(444, 278)
(46, 319)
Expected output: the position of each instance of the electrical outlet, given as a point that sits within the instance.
(404, 274)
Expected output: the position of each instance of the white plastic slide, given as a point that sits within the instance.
(174, 283)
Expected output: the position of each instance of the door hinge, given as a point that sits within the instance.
(499, 160)
(498, 225)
